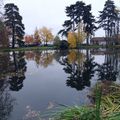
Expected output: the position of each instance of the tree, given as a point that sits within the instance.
(117, 26)
(76, 38)
(4, 42)
(37, 39)
(64, 45)
(45, 35)
(29, 39)
(80, 34)
(72, 39)
(80, 18)
(74, 12)
(13, 22)
(89, 22)
(56, 41)
(107, 19)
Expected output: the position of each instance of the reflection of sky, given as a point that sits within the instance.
(99, 59)
(43, 86)
(51, 13)
(48, 85)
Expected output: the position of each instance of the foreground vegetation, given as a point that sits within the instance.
(106, 107)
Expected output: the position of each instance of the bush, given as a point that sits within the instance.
(64, 45)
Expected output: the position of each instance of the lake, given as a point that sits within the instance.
(38, 81)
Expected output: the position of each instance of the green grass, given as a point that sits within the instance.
(106, 107)
(91, 46)
(53, 48)
(77, 113)
(26, 49)
(40, 48)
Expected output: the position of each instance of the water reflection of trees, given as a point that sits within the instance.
(6, 101)
(13, 68)
(109, 70)
(12, 74)
(80, 68)
(18, 69)
(4, 63)
(79, 65)
(42, 58)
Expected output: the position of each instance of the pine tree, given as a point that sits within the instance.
(107, 19)
(13, 22)
(79, 13)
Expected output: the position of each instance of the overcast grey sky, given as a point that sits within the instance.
(51, 13)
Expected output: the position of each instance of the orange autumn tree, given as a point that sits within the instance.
(29, 39)
(46, 35)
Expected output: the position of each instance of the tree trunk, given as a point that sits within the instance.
(15, 61)
(87, 40)
(46, 43)
(13, 37)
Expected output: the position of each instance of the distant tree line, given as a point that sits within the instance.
(40, 36)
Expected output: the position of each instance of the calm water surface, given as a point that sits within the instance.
(43, 80)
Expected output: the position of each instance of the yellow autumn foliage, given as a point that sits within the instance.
(75, 56)
(37, 36)
(76, 38)
(46, 35)
(72, 56)
(72, 40)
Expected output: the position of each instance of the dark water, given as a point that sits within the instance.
(42, 80)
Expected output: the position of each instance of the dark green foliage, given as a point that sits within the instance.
(109, 21)
(13, 21)
(57, 42)
(77, 113)
(79, 13)
(21, 43)
(64, 45)
(89, 22)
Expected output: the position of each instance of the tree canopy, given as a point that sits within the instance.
(46, 35)
(79, 13)
(13, 22)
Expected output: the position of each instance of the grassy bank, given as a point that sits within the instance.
(106, 106)
(44, 48)
(26, 49)
(53, 48)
